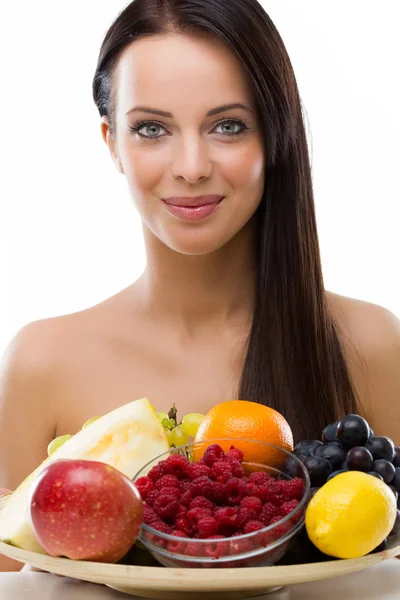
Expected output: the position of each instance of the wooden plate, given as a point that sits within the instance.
(192, 584)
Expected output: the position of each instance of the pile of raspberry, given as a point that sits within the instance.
(212, 498)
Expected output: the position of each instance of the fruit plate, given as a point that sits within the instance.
(191, 584)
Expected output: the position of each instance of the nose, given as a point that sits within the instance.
(191, 159)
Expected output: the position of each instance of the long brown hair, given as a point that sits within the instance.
(294, 362)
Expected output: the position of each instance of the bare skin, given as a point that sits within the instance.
(177, 334)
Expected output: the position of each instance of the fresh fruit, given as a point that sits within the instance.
(126, 438)
(384, 468)
(329, 433)
(85, 510)
(227, 508)
(350, 515)
(179, 437)
(382, 447)
(319, 469)
(306, 448)
(246, 420)
(191, 422)
(352, 430)
(396, 460)
(333, 452)
(359, 459)
(396, 479)
(57, 443)
(89, 422)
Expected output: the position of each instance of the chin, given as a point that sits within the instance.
(195, 244)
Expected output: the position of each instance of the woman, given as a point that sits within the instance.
(232, 302)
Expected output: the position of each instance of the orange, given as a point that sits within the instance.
(244, 420)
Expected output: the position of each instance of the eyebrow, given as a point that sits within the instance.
(213, 111)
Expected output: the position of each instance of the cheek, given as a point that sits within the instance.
(143, 170)
(244, 170)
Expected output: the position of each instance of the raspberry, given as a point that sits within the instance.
(287, 507)
(228, 518)
(176, 546)
(251, 488)
(280, 530)
(185, 485)
(217, 492)
(177, 465)
(158, 471)
(166, 506)
(268, 512)
(259, 477)
(201, 486)
(207, 526)
(195, 514)
(236, 489)
(236, 467)
(275, 492)
(275, 519)
(198, 470)
(152, 497)
(171, 491)
(246, 515)
(216, 549)
(167, 481)
(162, 527)
(144, 485)
(149, 516)
(212, 454)
(293, 489)
(221, 471)
(182, 512)
(252, 526)
(201, 502)
(193, 549)
(186, 498)
(235, 453)
(183, 524)
(252, 503)
(240, 546)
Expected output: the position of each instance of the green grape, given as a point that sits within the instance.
(179, 438)
(89, 422)
(170, 436)
(161, 416)
(168, 423)
(57, 443)
(190, 423)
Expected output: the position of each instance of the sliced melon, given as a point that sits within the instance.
(126, 438)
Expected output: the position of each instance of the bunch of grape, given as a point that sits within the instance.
(351, 445)
(178, 434)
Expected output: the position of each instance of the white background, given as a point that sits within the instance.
(69, 236)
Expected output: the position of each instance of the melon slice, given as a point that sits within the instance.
(126, 438)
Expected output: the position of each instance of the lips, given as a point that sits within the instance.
(191, 202)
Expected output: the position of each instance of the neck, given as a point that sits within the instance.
(195, 293)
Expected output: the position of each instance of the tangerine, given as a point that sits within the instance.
(244, 420)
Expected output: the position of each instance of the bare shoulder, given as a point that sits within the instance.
(371, 338)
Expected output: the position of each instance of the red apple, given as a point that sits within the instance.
(85, 510)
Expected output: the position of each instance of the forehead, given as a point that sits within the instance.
(177, 71)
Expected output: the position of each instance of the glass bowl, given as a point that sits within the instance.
(263, 547)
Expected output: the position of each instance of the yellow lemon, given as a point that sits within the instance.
(351, 515)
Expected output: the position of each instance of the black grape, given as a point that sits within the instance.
(353, 430)
(381, 447)
(333, 452)
(359, 459)
(329, 433)
(318, 468)
(384, 468)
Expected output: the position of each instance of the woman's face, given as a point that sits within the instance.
(187, 153)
